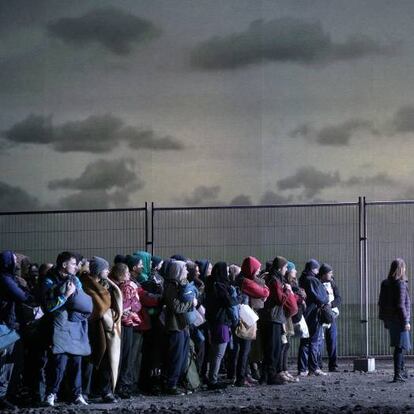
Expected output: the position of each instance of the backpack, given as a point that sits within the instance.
(191, 377)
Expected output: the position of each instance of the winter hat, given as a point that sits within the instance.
(324, 269)
(312, 264)
(179, 257)
(97, 265)
(120, 258)
(250, 266)
(279, 262)
(155, 261)
(291, 266)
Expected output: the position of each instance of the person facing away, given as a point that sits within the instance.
(395, 311)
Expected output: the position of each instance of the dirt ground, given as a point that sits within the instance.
(342, 392)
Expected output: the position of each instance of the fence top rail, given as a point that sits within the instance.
(395, 202)
(254, 206)
(97, 210)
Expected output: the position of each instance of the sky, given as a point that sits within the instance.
(108, 104)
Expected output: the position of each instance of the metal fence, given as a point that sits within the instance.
(358, 239)
(43, 235)
(328, 232)
(390, 234)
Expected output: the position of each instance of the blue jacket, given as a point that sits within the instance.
(10, 292)
(68, 322)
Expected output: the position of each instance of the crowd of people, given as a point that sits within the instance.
(84, 330)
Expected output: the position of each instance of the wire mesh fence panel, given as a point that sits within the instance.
(42, 236)
(390, 235)
(329, 233)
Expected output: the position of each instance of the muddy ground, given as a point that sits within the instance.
(342, 392)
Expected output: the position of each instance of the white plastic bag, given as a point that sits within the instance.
(248, 315)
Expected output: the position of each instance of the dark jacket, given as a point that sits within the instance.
(394, 302)
(10, 292)
(316, 297)
(220, 297)
(175, 305)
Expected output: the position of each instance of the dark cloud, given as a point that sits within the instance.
(335, 135)
(270, 197)
(148, 139)
(403, 121)
(340, 135)
(103, 175)
(281, 40)
(113, 28)
(96, 134)
(203, 195)
(84, 200)
(16, 199)
(380, 179)
(241, 200)
(311, 180)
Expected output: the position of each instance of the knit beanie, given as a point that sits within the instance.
(155, 261)
(179, 257)
(324, 269)
(279, 262)
(119, 258)
(291, 266)
(97, 265)
(312, 264)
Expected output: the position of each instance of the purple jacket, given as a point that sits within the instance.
(394, 301)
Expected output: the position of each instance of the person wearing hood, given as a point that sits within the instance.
(290, 278)
(104, 329)
(176, 325)
(316, 297)
(10, 295)
(280, 304)
(205, 268)
(221, 296)
(67, 308)
(254, 292)
(145, 272)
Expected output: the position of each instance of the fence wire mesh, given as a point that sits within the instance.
(328, 232)
(100, 232)
(390, 232)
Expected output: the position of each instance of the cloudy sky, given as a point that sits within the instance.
(181, 102)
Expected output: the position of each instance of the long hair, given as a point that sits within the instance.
(397, 270)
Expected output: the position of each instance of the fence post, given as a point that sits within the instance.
(364, 363)
(152, 228)
(364, 204)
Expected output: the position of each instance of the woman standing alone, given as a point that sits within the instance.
(395, 310)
